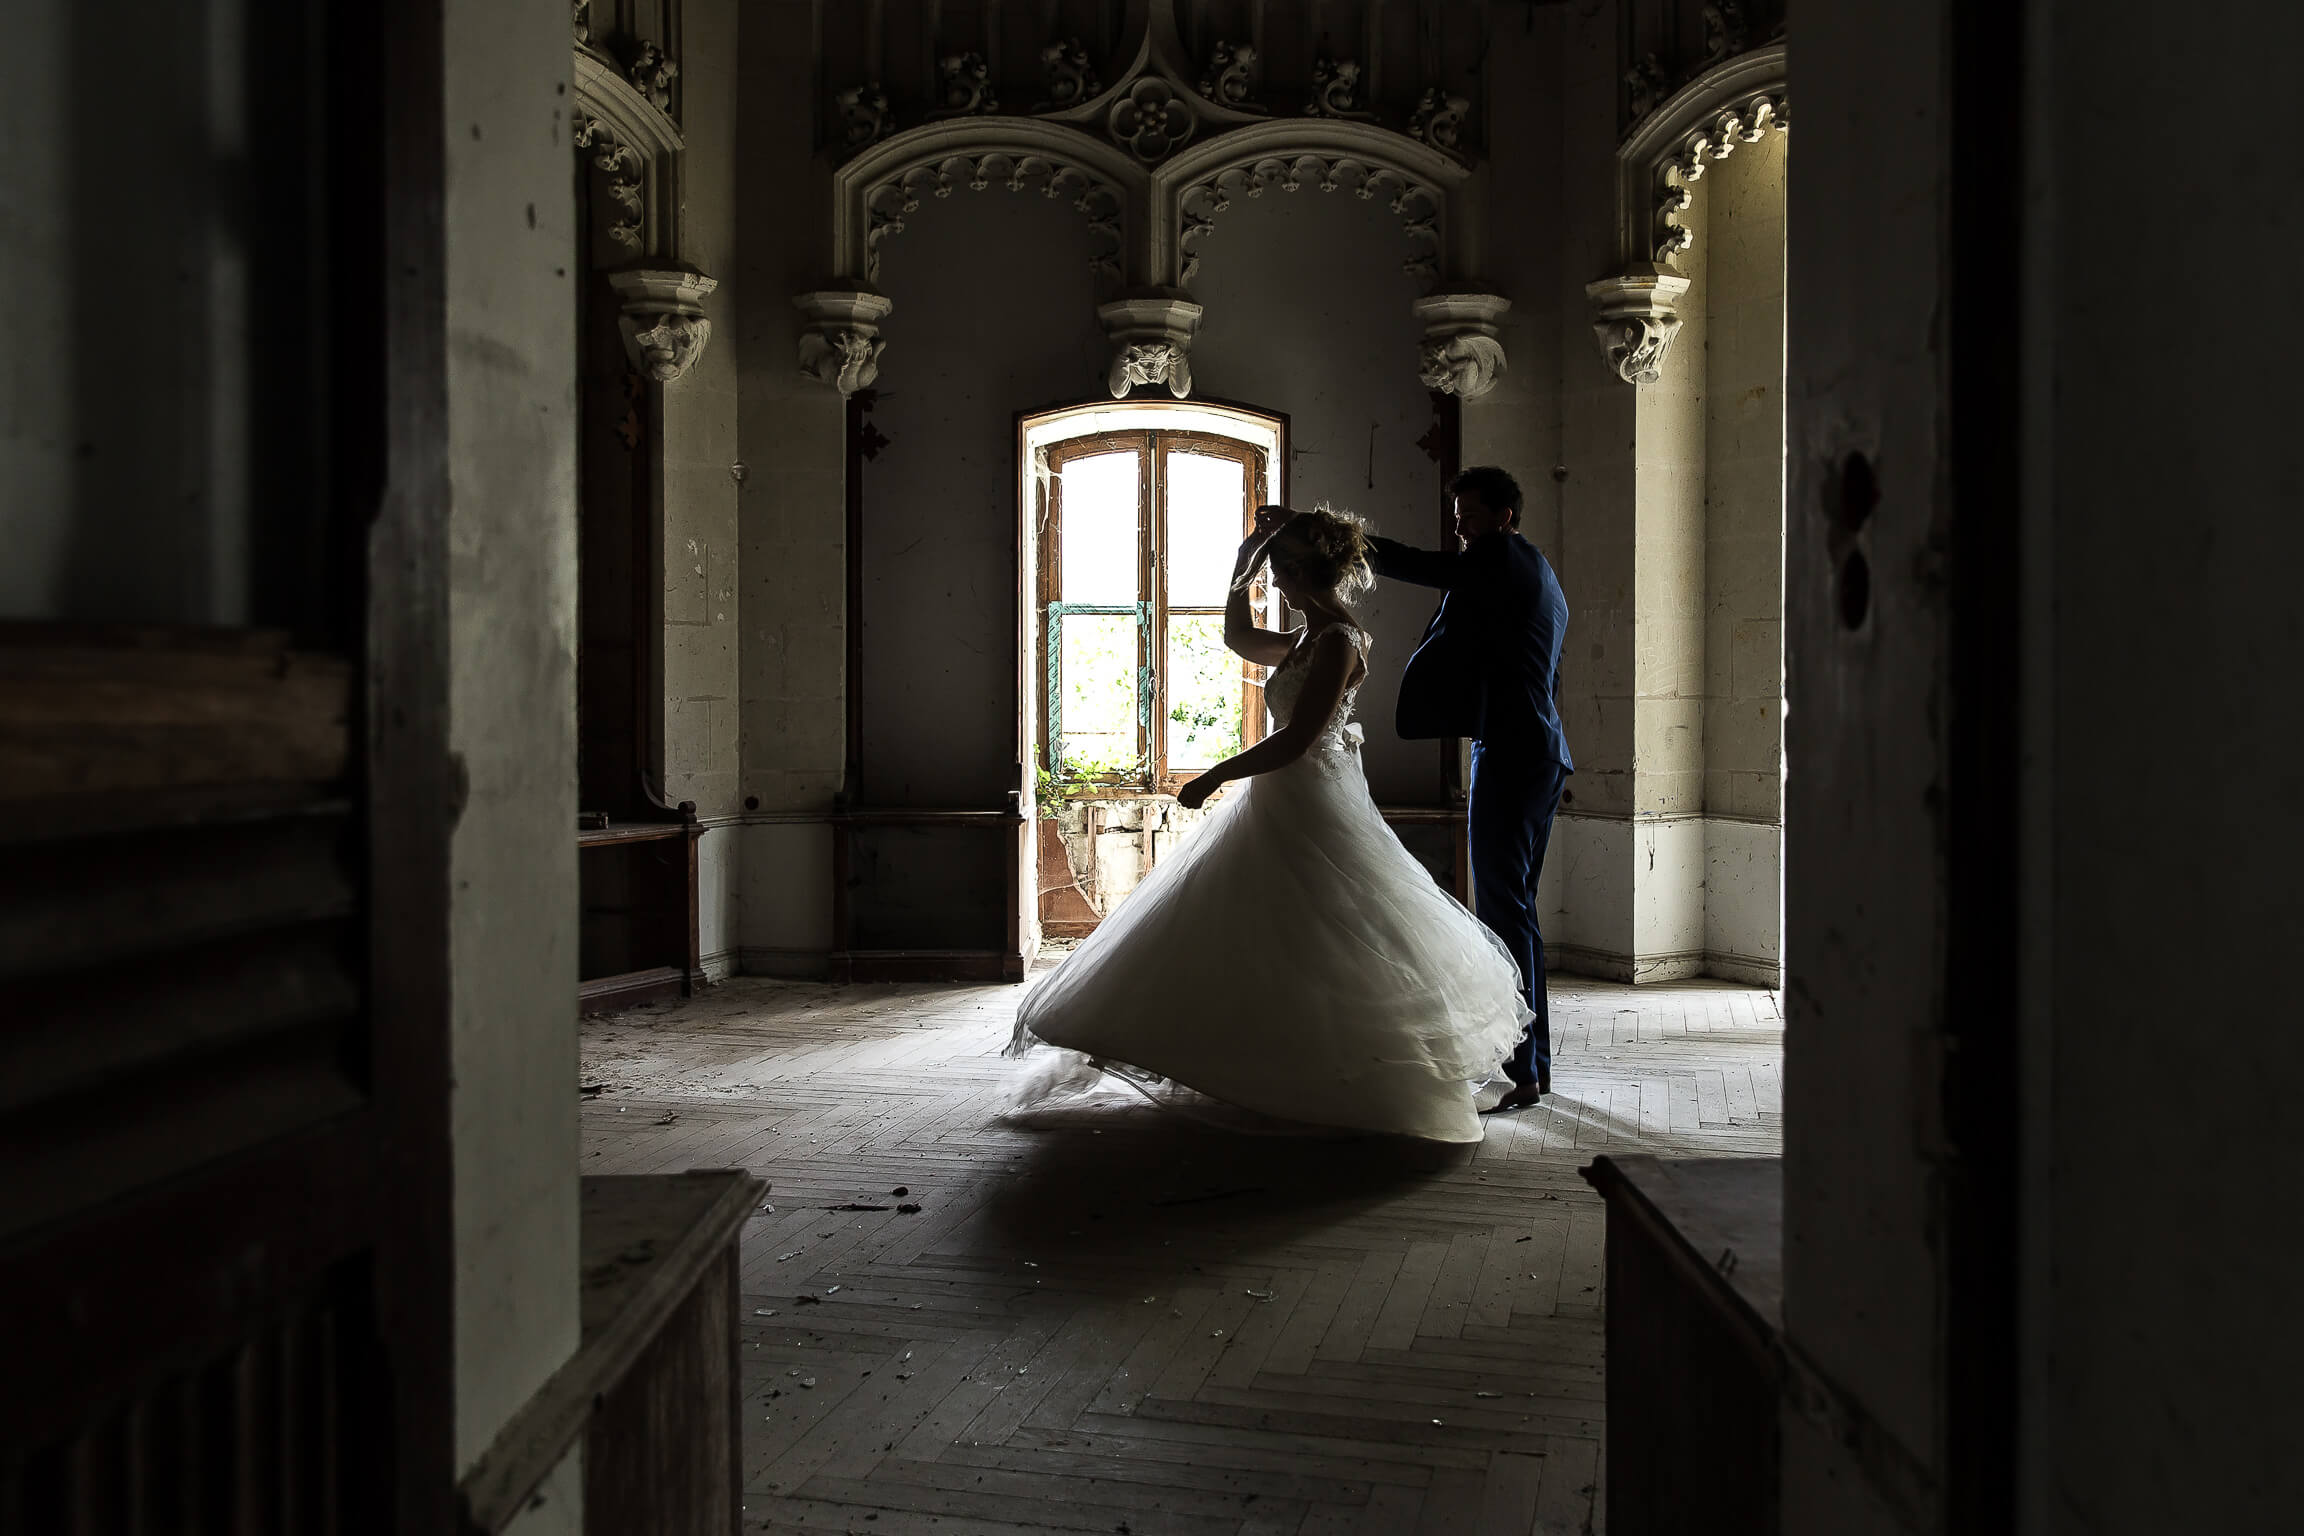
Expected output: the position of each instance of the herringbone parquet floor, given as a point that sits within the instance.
(1113, 1318)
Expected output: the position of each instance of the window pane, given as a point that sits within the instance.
(1097, 702)
(1207, 507)
(1203, 693)
(1101, 557)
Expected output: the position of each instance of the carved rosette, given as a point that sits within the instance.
(1151, 342)
(840, 342)
(1152, 121)
(1636, 318)
(1461, 353)
(662, 318)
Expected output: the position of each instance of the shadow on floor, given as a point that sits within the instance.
(1114, 1179)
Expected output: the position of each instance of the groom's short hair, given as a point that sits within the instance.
(1493, 486)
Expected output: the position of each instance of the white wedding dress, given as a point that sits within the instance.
(1291, 959)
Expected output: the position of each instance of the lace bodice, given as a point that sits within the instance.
(1286, 685)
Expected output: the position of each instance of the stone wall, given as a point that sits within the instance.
(700, 486)
(1742, 295)
(791, 512)
(511, 641)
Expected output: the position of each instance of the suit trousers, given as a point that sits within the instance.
(1515, 791)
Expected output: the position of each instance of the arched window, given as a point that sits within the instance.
(1137, 513)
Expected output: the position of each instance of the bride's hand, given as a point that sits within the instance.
(1270, 517)
(1269, 521)
(1195, 794)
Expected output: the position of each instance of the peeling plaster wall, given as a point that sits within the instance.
(700, 555)
(702, 639)
(512, 619)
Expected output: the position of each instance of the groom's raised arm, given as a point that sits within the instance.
(1423, 567)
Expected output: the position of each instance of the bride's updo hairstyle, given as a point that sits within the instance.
(1323, 550)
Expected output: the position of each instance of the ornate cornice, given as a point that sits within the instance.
(1152, 161)
(1161, 101)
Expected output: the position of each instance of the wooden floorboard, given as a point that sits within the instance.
(1111, 1318)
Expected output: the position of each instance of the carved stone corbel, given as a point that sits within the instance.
(663, 318)
(1461, 354)
(1635, 318)
(841, 344)
(1151, 342)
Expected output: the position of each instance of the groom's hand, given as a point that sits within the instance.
(1271, 516)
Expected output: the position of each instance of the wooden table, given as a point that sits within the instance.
(1695, 1312)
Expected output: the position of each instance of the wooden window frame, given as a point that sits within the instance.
(1152, 445)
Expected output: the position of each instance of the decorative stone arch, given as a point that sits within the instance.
(873, 192)
(1738, 101)
(637, 154)
(1194, 189)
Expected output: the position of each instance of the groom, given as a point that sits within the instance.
(1489, 669)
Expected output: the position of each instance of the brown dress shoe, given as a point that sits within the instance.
(1521, 1096)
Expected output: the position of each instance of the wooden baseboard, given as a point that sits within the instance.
(630, 989)
(926, 965)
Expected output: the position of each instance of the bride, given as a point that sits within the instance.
(1292, 958)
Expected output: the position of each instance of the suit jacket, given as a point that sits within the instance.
(1489, 664)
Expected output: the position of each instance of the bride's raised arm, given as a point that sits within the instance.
(1334, 659)
(1265, 647)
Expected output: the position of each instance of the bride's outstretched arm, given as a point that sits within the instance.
(1329, 673)
(1242, 635)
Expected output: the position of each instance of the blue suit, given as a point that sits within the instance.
(1488, 668)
